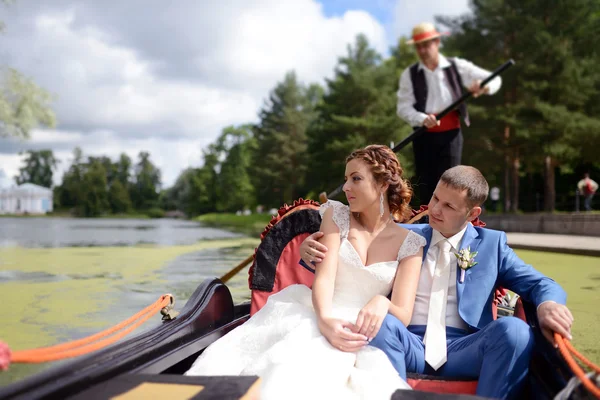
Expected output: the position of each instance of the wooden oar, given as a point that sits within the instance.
(237, 269)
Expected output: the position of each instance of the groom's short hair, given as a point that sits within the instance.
(464, 177)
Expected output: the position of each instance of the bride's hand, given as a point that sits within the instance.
(339, 334)
(371, 316)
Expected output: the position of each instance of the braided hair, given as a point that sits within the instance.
(386, 169)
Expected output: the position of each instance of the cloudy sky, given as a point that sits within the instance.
(137, 75)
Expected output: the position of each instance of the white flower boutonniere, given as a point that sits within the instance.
(466, 260)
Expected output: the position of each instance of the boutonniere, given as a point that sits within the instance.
(466, 260)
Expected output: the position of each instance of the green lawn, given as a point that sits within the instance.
(580, 277)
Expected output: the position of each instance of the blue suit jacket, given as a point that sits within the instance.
(498, 265)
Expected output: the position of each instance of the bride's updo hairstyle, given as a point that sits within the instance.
(386, 169)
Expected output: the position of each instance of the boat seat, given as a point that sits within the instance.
(276, 265)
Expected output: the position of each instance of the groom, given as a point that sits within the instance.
(452, 332)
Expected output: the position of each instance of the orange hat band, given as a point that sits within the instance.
(425, 36)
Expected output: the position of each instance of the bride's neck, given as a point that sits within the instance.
(372, 221)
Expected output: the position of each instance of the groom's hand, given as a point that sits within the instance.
(371, 316)
(311, 251)
(339, 334)
(554, 317)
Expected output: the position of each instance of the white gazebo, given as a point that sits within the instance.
(26, 199)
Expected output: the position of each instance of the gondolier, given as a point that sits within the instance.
(426, 88)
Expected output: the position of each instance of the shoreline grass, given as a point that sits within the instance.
(252, 225)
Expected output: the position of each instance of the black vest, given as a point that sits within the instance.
(420, 88)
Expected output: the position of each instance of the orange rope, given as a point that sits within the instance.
(565, 348)
(85, 345)
(582, 357)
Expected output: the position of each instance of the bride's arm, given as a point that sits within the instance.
(322, 289)
(337, 332)
(404, 291)
(405, 287)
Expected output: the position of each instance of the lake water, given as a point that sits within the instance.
(88, 232)
(63, 278)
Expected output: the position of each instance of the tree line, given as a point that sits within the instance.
(95, 186)
(533, 139)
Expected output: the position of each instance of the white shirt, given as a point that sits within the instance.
(439, 94)
(583, 183)
(421, 308)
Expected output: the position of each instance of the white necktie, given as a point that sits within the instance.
(435, 335)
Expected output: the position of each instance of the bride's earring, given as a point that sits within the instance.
(381, 205)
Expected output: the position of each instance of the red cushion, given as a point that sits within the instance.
(289, 272)
(442, 386)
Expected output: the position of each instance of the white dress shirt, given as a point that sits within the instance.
(439, 94)
(421, 307)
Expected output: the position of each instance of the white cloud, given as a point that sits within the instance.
(171, 79)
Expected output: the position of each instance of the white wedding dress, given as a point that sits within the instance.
(282, 343)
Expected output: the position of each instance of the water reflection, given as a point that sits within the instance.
(183, 274)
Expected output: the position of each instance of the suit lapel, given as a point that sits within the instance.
(427, 232)
(470, 239)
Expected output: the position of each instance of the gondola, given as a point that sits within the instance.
(154, 361)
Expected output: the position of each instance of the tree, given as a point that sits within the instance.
(123, 169)
(540, 121)
(38, 169)
(280, 159)
(189, 193)
(118, 197)
(71, 191)
(23, 105)
(118, 178)
(95, 189)
(359, 108)
(146, 188)
(110, 167)
(98, 186)
(236, 189)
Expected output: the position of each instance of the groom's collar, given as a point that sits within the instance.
(454, 240)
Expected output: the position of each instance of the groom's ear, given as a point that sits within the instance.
(474, 213)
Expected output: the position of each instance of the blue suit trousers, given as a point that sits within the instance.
(497, 355)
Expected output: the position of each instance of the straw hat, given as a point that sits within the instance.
(423, 32)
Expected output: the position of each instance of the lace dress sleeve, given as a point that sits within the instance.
(411, 245)
(341, 215)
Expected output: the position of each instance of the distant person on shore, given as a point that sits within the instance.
(588, 187)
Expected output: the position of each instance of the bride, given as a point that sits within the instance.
(315, 344)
